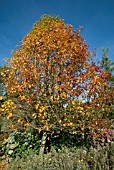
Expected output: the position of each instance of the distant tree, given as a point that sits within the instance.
(107, 64)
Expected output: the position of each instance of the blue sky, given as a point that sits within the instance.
(97, 17)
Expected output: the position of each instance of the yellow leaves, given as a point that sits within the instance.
(37, 42)
(52, 132)
(19, 120)
(70, 124)
(97, 80)
(2, 73)
(36, 107)
(68, 83)
(12, 90)
(79, 102)
(82, 128)
(79, 108)
(22, 122)
(51, 98)
(26, 124)
(99, 83)
(48, 138)
(59, 121)
(22, 97)
(1, 109)
(34, 115)
(7, 107)
(57, 88)
(64, 124)
(14, 107)
(45, 113)
(74, 132)
(57, 98)
(73, 102)
(9, 102)
(88, 114)
(30, 85)
(19, 89)
(0, 97)
(64, 111)
(43, 121)
(39, 129)
(42, 108)
(9, 116)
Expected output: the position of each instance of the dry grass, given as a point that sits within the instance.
(65, 159)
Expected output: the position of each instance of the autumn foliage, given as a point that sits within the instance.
(52, 82)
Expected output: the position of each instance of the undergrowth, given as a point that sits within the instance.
(67, 159)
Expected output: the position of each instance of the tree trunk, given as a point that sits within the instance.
(43, 142)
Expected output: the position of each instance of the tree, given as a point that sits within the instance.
(49, 72)
(104, 103)
(1, 81)
(107, 64)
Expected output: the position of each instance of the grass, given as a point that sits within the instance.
(68, 159)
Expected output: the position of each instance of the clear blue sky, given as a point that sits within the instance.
(18, 16)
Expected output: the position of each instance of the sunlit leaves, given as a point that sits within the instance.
(9, 116)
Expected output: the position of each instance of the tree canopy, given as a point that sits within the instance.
(51, 73)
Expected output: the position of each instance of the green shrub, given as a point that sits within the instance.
(21, 143)
(68, 159)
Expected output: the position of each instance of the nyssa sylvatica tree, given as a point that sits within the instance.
(48, 73)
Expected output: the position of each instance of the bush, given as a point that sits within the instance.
(3, 136)
(70, 159)
(21, 143)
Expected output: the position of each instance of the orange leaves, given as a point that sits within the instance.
(46, 127)
(50, 72)
(13, 127)
(73, 102)
(63, 95)
(0, 97)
